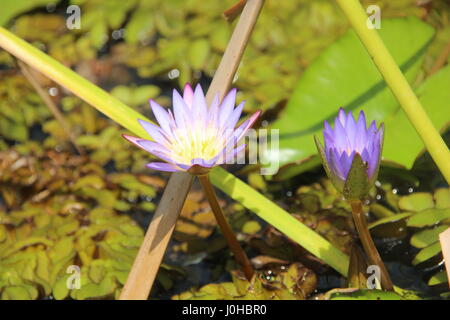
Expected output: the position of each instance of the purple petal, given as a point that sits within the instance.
(335, 164)
(203, 163)
(232, 137)
(162, 166)
(149, 146)
(361, 137)
(340, 137)
(328, 154)
(183, 167)
(161, 116)
(361, 119)
(132, 139)
(226, 107)
(180, 110)
(342, 117)
(200, 110)
(375, 152)
(328, 128)
(231, 140)
(213, 111)
(234, 154)
(152, 147)
(156, 149)
(155, 132)
(243, 128)
(350, 129)
(328, 135)
(234, 117)
(188, 95)
(372, 130)
(328, 139)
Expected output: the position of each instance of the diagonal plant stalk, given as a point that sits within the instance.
(233, 243)
(125, 116)
(146, 264)
(28, 74)
(368, 245)
(398, 85)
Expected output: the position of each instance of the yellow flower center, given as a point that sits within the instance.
(204, 143)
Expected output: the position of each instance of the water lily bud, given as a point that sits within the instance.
(352, 154)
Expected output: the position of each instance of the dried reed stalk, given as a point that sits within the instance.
(30, 75)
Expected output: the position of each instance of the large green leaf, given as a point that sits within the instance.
(344, 75)
(12, 8)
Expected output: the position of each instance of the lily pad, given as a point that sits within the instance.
(442, 198)
(428, 217)
(416, 202)
(426, 237)
(427, 253)
(438, 278)
(367, 294)
(12, 8)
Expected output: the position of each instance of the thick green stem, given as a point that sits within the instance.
(398, 85)
(368, 245)
(233, 243)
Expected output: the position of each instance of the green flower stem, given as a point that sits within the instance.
(398, 85)
(368, 245)
(233, 243)
(225, 181)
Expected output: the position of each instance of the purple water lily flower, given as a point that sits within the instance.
(351, 144)
(194, 134)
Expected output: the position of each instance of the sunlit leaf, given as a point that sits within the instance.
(427, 253)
